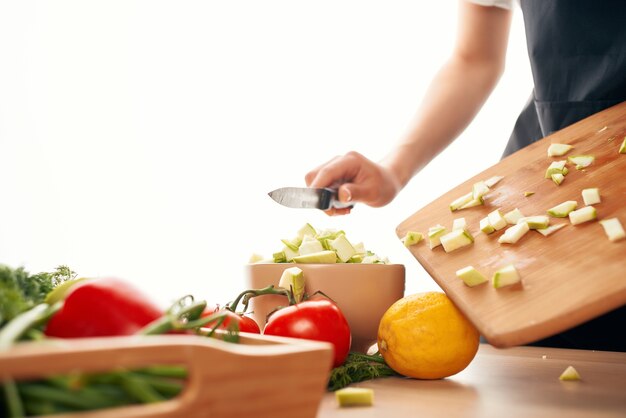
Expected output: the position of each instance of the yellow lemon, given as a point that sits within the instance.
(425, 336)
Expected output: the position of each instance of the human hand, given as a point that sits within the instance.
(359, 180)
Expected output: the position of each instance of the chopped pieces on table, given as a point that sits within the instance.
(485, 226)
(528, 194)
(613, 229)
(460, 202)
(479, 190)
(588, 213)
(470, 276)
(563, 209)
(459, 223)
(412, 238)
(496, 220)
(355, 397)
(622, 148)
(492, 181)
(556, 167)
(536, 222)
(456, 239)
(591, 196)
(434, 235)
(581, 161)
(557, 178)
(556, 150)
(569, 374)
(550, 230)
(514, 233)
(506, 276)
(476, 196)
(513, 216)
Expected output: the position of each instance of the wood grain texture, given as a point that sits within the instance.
(515, 382)
(262, 376)
(568, 277)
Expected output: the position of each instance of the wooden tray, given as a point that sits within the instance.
(261, 376)
(568, 277)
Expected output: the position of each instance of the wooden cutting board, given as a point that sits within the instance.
(569, 277)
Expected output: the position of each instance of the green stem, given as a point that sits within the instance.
(246, 295)
(139, 389)
(167, 387)
(22, 323)
(13, 400)
(177, 372)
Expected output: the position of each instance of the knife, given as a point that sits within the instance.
(308, 198)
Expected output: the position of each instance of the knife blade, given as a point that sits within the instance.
(308, 198)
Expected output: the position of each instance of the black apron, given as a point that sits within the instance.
(577, 51)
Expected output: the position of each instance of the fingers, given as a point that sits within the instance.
(337, 170)
(312, 175)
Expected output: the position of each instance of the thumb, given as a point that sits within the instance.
(351, 192)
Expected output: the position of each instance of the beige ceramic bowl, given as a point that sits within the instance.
(363, 292)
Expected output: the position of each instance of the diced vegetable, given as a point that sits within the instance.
(307, 229)
(506, 276)
(536, 222)
(550, 230)
(479, 190)
(556, 167)
(310, 241)
(613, 229)
(556, 150)
(343, 248)
(569, 374)
(412, 238)
(486, 227)
(528, 194)
(471, 276)
(581, 161)
(563, 209)
(293, 278)
(491, 181)
(557, 178)
(497, 220)
(588, 213)
(322, 257)
(461, 201)
(355, 396)
(514, 233)
(434, 235)
(472, 203)
(513, 216)
(591, 196)
(309, 245)
(475, 197)
(622, 148)
(456, 239)
(459, 223)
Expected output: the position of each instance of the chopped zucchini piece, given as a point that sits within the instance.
(591, 196)
(471, 276)
(355, 397)
(588, 213)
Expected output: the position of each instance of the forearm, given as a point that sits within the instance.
(452, 100)
(457, 92)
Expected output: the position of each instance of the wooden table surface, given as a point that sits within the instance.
(504, 383)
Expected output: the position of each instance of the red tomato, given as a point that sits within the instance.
(245, 323)
(319, 320)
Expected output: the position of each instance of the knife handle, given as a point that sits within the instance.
(329, 199)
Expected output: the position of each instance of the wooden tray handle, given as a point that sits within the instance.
(225, 379)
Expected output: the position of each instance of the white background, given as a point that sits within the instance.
(139, 139)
